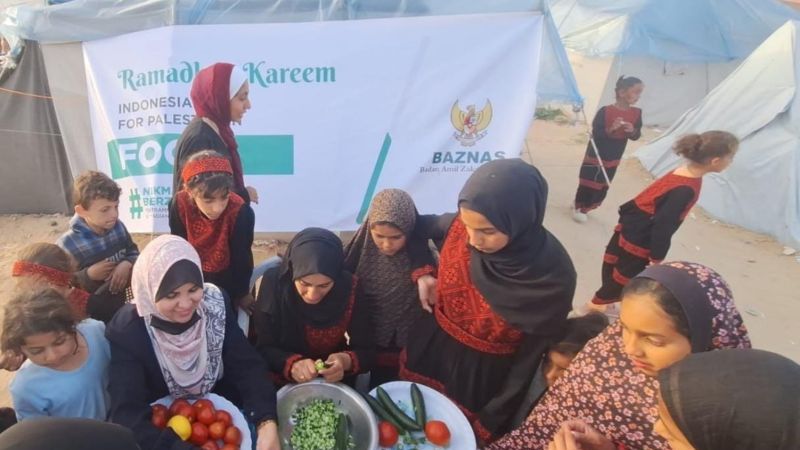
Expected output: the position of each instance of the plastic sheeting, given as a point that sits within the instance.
(35, 174)
(671, 30)
(758, 102)
(83, 20)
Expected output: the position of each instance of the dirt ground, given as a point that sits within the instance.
(765, 282)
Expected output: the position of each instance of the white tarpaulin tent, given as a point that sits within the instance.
(681, 48)
(758, 103)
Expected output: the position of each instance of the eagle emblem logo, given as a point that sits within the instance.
(471, 124)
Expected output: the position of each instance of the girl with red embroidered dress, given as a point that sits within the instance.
(504, 290)
(647, 223)
(612, 126)
(304, 309)
(218, 223)
(220, 96)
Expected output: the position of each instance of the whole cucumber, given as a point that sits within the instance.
(401, 417)
(381, 412)
(419, 405)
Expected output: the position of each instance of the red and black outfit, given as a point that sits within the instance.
(224, 244)
(592, 187)
(211, 100)
(289, 329)
(644, 232)
(498, 312)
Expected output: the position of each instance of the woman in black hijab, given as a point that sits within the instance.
(60, 433)
(739, 399)
(505, 288)
(304, 308)
(731, 400)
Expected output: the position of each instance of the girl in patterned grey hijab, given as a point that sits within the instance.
(388, 259)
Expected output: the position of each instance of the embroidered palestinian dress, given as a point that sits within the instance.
(496, 313)
(592, 187)
(644, 232)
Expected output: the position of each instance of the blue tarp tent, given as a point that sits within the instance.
(82, 20)
(759, 103)
(680, 48)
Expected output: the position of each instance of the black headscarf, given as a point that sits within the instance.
(735, 400)
(61, 433)
(313, 250)
(531, 281)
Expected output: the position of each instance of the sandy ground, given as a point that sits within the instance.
(764, 282)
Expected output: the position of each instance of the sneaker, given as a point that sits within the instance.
(611, 310)
(579, 216)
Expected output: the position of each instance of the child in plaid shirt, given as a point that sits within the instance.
(97, 239)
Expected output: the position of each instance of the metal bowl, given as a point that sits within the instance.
(363, 424)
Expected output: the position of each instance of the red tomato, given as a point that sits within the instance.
(159, 416)
(224, 417)
(204, 403)
(230, 447)
(233, 436)
(437, 433)
(217, 430)
(199, 434)
(387, 434)
(188, 412)
(177, 404)
(205, 416)
(210, 445)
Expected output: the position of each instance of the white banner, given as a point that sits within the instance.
(340, 110)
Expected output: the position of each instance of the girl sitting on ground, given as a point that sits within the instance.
(66, 372)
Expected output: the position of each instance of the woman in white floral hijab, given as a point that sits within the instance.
(176, 340)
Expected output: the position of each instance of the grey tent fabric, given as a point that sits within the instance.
(30, 142)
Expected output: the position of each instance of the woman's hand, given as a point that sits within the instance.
(253, 193)
(426, 285)
(303, 371)
(578, 435)
(267, 436)
(338, 364)
(247, 303)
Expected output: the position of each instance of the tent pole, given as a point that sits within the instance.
(596, 152)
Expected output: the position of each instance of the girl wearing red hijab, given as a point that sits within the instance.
(220, 95)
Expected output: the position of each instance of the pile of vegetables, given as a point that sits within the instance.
(319, 426)
(394, 422)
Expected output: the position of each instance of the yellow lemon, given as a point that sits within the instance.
(181, 426)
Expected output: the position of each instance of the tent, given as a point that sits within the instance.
(59, 30)
(681, 49)
(758, 102)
